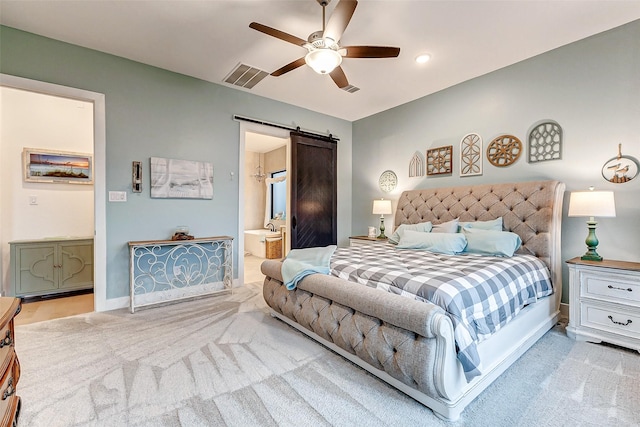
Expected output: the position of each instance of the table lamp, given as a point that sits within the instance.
(592, 204)
(382, 207)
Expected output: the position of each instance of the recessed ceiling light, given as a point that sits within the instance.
(422, 58)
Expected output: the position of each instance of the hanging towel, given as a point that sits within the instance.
(300, 263)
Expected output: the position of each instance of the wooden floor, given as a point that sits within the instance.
(55, 308)
(252, 271)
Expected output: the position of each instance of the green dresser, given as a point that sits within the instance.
(48, 266)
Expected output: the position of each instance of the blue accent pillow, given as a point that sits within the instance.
(442, 243)
(494, 224)
(424, 227)
(491, 242)
(446, 227)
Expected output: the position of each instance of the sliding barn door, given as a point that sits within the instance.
(313, 192)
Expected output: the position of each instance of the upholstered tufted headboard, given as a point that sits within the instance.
(533, 210)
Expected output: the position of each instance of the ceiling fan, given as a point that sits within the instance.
(324, 53)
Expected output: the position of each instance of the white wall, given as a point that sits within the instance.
(275, 160)
(41, 121)
(254, 192)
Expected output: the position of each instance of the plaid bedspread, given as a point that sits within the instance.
(481, 294)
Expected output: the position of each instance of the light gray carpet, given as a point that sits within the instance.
(225, 361)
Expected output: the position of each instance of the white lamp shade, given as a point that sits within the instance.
(323, 61)
(382, 207)
(592, 203)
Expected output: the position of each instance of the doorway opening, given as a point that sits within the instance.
(262, 234)
(97, 227)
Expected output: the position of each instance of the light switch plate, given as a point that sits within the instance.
(117, 196)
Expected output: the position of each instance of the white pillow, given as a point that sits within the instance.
(424, 227)
(443, 243)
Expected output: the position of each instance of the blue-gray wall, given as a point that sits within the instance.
(154, 112)
(591, 88)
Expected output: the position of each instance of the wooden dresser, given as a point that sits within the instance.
(10, 403)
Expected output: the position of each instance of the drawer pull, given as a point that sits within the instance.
(620, 289)
(10, 390)
(7, 340)
(620, 323)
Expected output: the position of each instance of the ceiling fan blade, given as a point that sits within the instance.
(339, 77)
(370, 51)
(289, 67)
(278, 34)
(340, 19)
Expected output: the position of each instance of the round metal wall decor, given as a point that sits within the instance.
(388, 181)
(504, 150)
(620, 169)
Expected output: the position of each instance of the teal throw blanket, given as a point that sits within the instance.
(300, 263)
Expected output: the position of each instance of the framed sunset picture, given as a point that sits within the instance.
(52, 166)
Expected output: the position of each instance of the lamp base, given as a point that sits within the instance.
(592, 243)
(591, 257)
(381, 235)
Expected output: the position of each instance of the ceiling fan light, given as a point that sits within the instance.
(323, 61)
(423, 58)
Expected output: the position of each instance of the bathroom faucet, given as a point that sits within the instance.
(271, 226)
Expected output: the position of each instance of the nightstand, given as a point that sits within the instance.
(365, 240)
(604, 302)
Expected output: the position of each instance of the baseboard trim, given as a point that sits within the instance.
(124, 302)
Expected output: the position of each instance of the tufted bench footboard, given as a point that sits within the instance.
(407, 343)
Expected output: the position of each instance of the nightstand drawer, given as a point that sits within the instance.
(614, 319)
(611, 287)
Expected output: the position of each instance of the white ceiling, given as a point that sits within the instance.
(207, 39)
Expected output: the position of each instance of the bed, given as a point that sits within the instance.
(412, 344)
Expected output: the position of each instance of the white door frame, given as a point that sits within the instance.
(99, 171)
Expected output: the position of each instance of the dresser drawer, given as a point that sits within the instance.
(6, 346)
(9, 411)
(8, 384)
(611, 287)
(613, 319)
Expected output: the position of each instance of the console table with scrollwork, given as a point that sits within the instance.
(163, 271)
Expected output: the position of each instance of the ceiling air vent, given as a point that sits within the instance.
(245, 76)
(350, 88)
